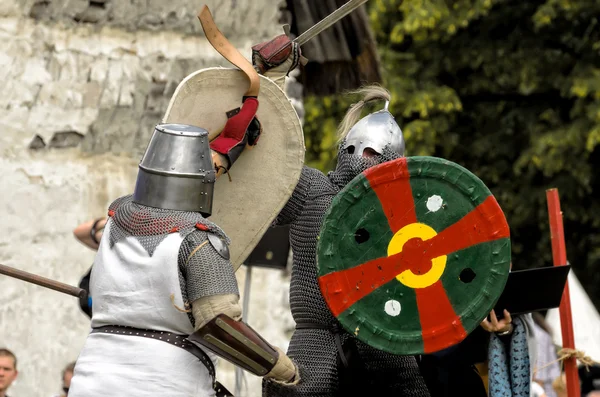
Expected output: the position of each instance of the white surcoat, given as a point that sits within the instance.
(131, 288)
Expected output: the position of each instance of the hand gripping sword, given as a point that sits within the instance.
(229, 52)
(279, 49)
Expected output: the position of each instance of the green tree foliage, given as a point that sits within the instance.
(509, 89)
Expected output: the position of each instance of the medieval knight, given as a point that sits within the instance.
(332, 361)
(159, 253)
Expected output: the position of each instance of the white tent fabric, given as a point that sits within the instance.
(586, 320)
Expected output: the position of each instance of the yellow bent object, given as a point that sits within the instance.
(407, 277)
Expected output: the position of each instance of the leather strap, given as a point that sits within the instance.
(228, 51)
(336, 330)
(173, 339)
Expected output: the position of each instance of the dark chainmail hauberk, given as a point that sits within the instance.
(315, 349)
(205, 273)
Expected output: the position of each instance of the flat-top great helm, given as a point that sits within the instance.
(176, 171)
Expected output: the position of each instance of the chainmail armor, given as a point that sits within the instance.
(349, 165)
(315, 350)
(206, 273)
(151, 225)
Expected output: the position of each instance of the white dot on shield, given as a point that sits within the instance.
(434, 203)
(392, 307)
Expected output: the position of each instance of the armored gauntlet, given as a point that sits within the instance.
(276, 58)
(241, 345)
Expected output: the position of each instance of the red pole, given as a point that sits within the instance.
(559, 256)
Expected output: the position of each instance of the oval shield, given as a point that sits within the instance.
(413, 254)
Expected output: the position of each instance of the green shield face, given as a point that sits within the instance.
(413, 254)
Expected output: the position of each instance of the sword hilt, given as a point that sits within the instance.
(287, 31)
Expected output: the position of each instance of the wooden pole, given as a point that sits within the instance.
(43, 281)
(559, 256)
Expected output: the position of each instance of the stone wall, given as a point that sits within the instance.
(84, 82)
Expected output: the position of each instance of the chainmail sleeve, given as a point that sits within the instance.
(205, 271)
(295, 204)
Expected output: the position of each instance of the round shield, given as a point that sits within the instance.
(413, 254)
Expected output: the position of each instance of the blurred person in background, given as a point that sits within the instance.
(546, 368)
(89, 234)
(67, 374)
(8, 370)
(537, 390)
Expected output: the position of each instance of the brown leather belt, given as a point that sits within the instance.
(173, 339)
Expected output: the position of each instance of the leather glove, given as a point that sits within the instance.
(276, 58)
(284, 371)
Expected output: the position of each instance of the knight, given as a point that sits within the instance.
(165, 296)
(333, 362)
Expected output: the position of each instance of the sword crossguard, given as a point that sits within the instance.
(287, 30)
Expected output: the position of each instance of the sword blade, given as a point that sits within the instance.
(329, 20)
(43, 281)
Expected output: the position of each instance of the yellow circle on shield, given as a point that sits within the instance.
(407, 277)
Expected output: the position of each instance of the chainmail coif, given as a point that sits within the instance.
(151, 225)
(315, 349)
